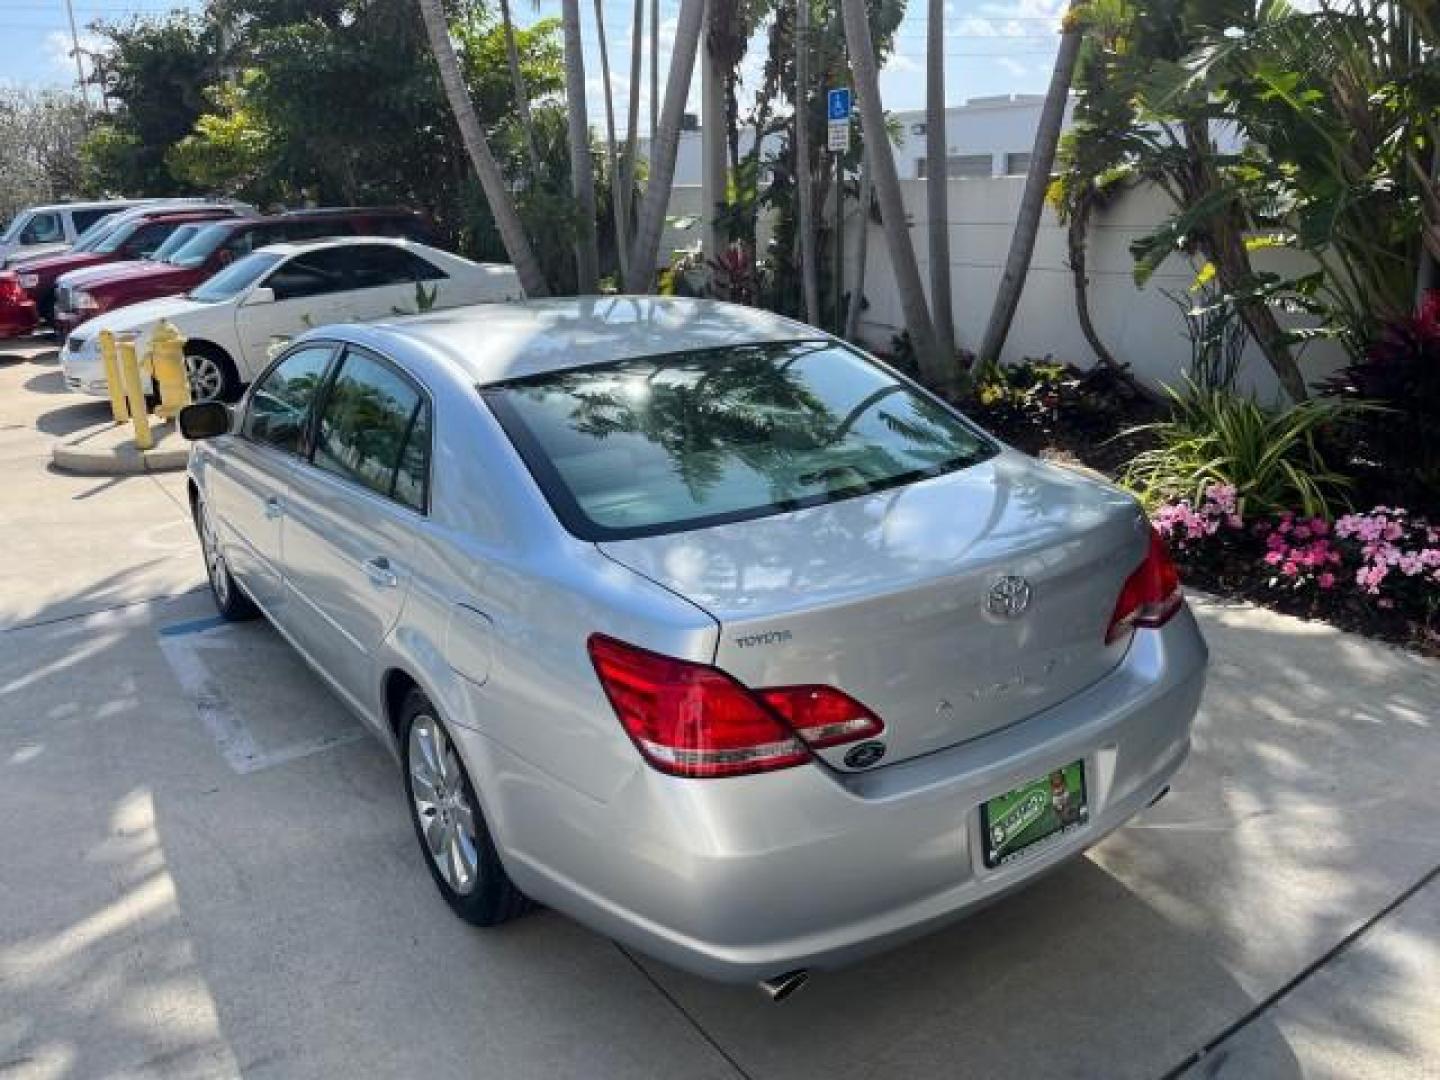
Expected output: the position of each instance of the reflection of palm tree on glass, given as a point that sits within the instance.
(777, 410)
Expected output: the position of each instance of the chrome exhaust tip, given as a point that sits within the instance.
(782, 986)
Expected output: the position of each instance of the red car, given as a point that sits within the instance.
(216, 246)
(136, 238)
(17, 311)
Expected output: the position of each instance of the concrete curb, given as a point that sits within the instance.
(109, 450)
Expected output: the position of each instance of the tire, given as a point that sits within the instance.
(211, 373)
(230, 600)
(462, 858)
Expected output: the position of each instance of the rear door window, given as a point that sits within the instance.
(664, 444)
(374, 430)
(377, 265)
(314, 273)
(278, 414)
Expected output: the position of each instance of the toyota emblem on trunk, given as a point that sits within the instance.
(1009, 597)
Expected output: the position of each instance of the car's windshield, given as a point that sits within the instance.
(13, 229)
(96, 233)
(173, 243)
(199, 247)
(677, 442)
(234, 279)
(117, 237)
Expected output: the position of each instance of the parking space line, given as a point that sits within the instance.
(181, 645)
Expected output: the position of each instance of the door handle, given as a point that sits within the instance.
(274, 508)
(379, 572)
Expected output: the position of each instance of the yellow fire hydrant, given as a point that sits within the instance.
(167, 368)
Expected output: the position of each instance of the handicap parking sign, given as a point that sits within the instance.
(840, 103)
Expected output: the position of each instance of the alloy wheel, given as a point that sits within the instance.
(442, 804)
(206, 379)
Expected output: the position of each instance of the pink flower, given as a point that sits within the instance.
(1326, 580)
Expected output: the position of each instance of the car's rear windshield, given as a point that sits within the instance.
(677, 442)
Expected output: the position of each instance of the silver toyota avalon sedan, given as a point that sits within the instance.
(698, 625)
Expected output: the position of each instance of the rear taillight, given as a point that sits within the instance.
(1150, 596)
(693, 720)
(822, 715)
(10, 290)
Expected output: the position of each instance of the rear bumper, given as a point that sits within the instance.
(750, 877)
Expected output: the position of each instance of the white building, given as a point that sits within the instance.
(986, 136)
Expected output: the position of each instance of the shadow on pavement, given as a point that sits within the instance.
(182, 917)
(69, 419)
(52, 382)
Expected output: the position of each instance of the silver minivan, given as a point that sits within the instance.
(44, 230)
(698, 624)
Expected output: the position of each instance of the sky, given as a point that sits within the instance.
(992, 46)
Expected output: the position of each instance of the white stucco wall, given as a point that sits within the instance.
(1142, 327)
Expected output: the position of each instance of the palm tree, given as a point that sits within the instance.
(806, 218)
(937, 178)
(862, 251)
(522, 95)
(1037, 180)
(935, 366)
(640, 275)
(654, 74)
(632, 126)
(582, 168)
(507, 220)
(617, 193)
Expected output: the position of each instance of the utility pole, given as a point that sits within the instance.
(75, 52)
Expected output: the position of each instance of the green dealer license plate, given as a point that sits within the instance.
(1042, 810)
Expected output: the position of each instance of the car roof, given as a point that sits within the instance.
(295, 247)
(495, 342)
(103, 204)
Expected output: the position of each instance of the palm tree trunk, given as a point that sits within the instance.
(862, 250)
(643, 254)
(1075, 239)
(582, 168)
(1032, 202)
(654, 74)
(935, 367)
(937, 178)
(522, 94)
(507, 221)
(809, 281)
(632, 125)
(617, 198)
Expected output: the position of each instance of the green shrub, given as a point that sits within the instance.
(1271, 457)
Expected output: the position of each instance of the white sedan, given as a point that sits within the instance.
(232, 321)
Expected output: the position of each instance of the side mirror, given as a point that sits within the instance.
(260, 295)
(204, 420)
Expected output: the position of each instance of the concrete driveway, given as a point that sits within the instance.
(205, 870)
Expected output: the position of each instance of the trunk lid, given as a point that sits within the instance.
(887, 596)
